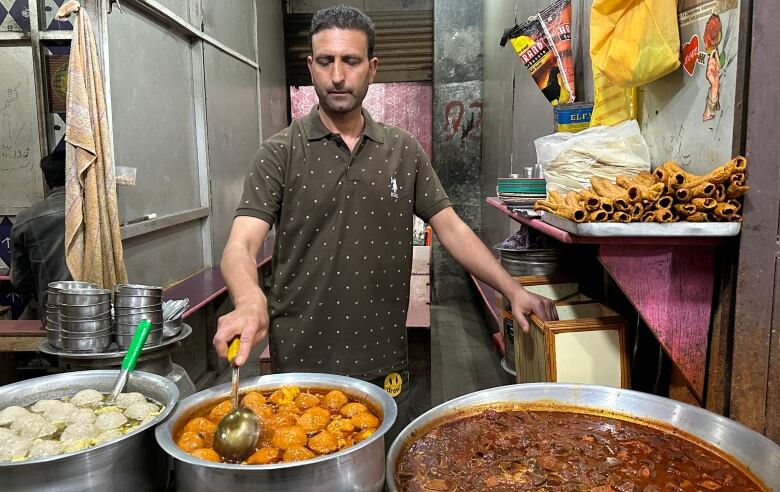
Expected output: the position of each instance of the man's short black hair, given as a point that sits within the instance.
(343, 17)
(53, 167)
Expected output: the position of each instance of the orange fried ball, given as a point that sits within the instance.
(253, 400)
(307, 400)
(288, 437)
(341, 426)
(190, 441)
(289, 408)
(324, 443)
(364, 434)
(365, 421)
(278, 420)
(351, 409)
(284, 395)
(204, 427)
(263, 456)
(314, 420)
(298, 453)
(218, 412)
(263, 411)
(206, 454)
(334, 400)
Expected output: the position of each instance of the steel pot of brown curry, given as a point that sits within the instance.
(578, 437)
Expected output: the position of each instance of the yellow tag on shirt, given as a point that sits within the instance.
(393, 384)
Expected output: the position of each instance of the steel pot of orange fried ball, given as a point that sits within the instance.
(318, 432)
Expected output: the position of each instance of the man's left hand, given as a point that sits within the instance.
(524, 303)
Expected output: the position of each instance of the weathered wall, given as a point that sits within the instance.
(457, 126)
(270, 57)
(307, 6)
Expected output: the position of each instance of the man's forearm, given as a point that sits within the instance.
(239, 269)
(461, 242)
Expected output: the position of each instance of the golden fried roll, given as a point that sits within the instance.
(289, 437)
(683, 195)
(662, 174)
(724, 210)
(324, 443)
(663, 215)
(685, 209)
(206, 454)
(633, 189)
(621, 217)
(572, 200)
(334, 400)
(716, 176)
(720, 193)
(665, 202)
(624, 182)
(697, 217)
(735, 218)
(252, 399)
(307, 400)
(204, 427)
(654, 192)
(190, 441)
(737, 179)
(365, 421)
(605, 188)
(735, 203)
(591, 203)
(313, 420)
(739, 163)
(598, 216)
(351, 409)
(606, 205)
(555, 197)
(704, 204)
(298, 453)
(645, 178)
(218, 412)
(340, 426)
(574, 215)
(704, 190)
(620, 204)
(637, 210)
(264, 456)
(541, 205)
(735, 191)
(676, 176)
(648, 216)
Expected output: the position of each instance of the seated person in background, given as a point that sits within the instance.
(38, 240)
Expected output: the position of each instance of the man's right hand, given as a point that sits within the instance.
(249, 322)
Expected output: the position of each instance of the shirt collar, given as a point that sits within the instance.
(56, 189)
(315, 129)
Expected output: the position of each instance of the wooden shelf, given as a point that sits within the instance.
(669, 281)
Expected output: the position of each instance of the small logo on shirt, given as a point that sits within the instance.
(393, 188)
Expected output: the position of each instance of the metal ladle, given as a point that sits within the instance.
(131, 357)
(237, 433)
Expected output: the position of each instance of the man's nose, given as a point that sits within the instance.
(337, 75)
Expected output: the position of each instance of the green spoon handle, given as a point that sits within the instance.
(136, 345)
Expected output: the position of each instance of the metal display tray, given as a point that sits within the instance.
(113, 351)
(644, 229)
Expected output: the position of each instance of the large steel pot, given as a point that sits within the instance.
(750, 448)
(132, 463)
(358, 468)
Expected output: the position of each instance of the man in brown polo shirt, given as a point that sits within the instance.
(342, 190)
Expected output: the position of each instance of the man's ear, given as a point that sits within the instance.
(373, 64)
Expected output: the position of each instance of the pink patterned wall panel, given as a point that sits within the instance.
(407, 105)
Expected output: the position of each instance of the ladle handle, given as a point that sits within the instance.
(136, 345)
(232, 350)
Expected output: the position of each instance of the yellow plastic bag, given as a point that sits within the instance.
(612, 104)
(634, 42)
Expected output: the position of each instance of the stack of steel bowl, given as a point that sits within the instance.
(53, 307)
(85, 320)
(132, 304)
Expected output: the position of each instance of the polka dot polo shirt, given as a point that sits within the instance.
(343, 252)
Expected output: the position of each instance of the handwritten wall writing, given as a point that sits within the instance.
(463, 120)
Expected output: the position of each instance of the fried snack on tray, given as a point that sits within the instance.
(668, 194)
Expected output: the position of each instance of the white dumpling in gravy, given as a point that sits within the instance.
(9, 414)
(33, 426)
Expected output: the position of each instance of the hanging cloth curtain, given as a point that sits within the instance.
(93, 245)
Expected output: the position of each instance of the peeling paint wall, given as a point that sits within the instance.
(457, 126)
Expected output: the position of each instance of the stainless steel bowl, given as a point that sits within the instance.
(94, 345)
(154, 318)
(53, 335)
(88, 311)
(155, 338)
(84, 297)
(90, 334)
(138, 290)
(85, 327)
(357, 468)
(126, 311)
(128, 329)
(138, 302)
(746, 446)
(132, 463)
